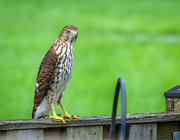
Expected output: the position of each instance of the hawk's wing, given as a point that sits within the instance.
(45, 77)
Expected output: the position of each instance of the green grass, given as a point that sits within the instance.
(137, 40)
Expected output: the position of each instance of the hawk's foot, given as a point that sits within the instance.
(57, 118)
(66, 115)
(77, 117)
(54, 115)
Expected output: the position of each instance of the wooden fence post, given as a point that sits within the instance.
(173, 99)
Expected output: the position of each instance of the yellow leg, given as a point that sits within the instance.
(67, 115)
(55, 115)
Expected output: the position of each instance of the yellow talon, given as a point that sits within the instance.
(55, 116)
(76, 117)
(67, 115)
(70, 117)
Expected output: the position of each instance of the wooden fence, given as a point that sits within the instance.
(145, 126)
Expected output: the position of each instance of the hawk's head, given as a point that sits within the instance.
(69, 33)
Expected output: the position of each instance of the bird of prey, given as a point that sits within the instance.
(54, 74)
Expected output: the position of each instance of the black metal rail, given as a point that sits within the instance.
(125, 125)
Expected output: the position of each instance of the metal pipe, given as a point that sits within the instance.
(125, 126)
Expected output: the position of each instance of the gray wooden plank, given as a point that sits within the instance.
(143, 131)
(88, 121)
(3, 135)
(85, 133)
(35, 134)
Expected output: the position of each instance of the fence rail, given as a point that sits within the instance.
(145, 126)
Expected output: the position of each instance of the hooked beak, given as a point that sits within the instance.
(76, 35)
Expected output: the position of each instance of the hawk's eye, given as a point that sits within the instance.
(67, 31)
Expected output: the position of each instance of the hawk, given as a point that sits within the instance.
(54, 74)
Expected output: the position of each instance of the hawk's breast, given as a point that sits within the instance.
(64, 68)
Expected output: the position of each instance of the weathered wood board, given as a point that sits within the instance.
(85, 133)
(173, 104)
(35, 134)
(145, 126)
(88, 121)
(146, 131)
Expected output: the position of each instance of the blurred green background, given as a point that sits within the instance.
(137, 40)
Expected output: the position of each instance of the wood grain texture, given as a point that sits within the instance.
(88, 121)
(170, 104)
(177, 105)
(165, 130)
(173, 104)
(85, 133)
(106, 132)
(36, 134)
(143, 131)
(3, 135)
(55, 133)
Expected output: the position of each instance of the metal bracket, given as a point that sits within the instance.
(176, 135)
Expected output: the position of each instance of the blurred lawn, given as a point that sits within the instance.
(138, 40)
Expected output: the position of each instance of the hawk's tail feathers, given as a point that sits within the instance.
(33, 112)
